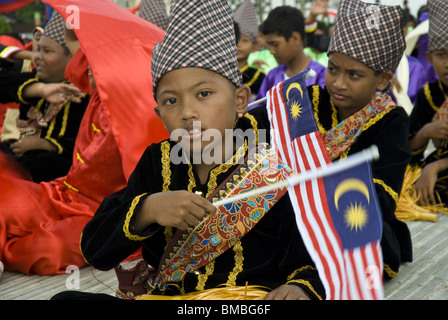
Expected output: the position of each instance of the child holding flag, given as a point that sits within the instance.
(352, 113)
(168, 205)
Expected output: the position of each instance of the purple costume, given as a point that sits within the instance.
(277, 75)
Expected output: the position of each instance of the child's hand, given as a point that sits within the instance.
(61, 93)
(287, 292)
(424, 186)
(436, 130)
(31, 143)
(179, 209)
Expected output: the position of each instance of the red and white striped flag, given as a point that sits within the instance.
(338, 215)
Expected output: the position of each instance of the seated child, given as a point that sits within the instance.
(41, 223)
(48, 131)
(284, 31)
(352, 115)
(164, 201)
(429, 120)
(246, 18)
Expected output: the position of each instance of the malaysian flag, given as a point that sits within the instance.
(338, 215)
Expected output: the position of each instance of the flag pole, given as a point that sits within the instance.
(368, 154)
(311, 74)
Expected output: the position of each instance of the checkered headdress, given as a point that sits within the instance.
(372, 34)
(246, 17)
(438, 24)
(200, 34)
(54, 29)
(154, 11)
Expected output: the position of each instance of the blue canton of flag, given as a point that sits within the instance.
(338, 216)
(300, 114)
(354, 210)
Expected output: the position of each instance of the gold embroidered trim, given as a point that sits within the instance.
(202, 278)
(239, 258)
(306, 283)
(375, 119)
(52, 140)
(127, 220)
(388, 189)
(391, 273)
(442, 89)
(429, 97)
(223, 167)
(244, 68)
(20, 90)
(166, 171)
(254, 124)
(166, 175)
(65, 119)
(254, 78)
(315, 102)
(295, 272)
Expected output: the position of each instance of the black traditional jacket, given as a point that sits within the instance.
(271, 254)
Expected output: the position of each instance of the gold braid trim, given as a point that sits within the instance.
(166, 171)
(254, 124)
(223, 167)
(130, 213)
(239, 258)
(315, 101)
(52, 140)
(306, 283)
(202, 278)
(292, 275)
(166, 175)
(20, 91)
(391, 273)
(65, 119)
(429, 97)
(388, 189)
(254, 78)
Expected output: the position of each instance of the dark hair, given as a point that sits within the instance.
(285, 20)
(237, 32)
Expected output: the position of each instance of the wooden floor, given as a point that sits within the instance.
(426, 278)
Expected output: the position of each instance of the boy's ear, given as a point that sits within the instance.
(157, 111)
(296, 37)
(385, 79)
(242, 96)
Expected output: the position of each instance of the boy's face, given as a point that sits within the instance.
(283, 50)
(351, 84)
(36, 38)
(191, 95)
(439, 60)
(244, 48)
(50, 60)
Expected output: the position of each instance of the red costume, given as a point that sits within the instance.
(41, 224)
